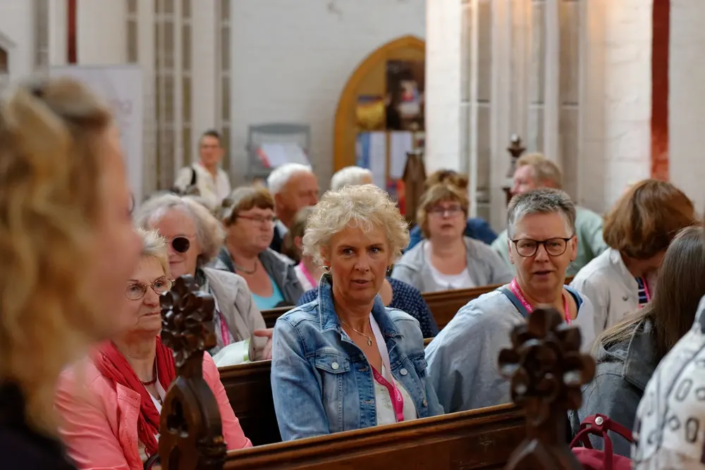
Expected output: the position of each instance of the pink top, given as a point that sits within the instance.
(99, 419)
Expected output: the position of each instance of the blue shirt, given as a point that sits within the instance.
(405, 298)
(476, 228)
(322, 382)
(268, 303)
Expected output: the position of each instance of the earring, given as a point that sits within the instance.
(389, 271)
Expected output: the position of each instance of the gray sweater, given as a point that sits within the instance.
(462, 359)
(623, 371)
(484, 266)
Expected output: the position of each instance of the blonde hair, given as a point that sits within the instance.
(366, 207)
(544, 169)
(209, 231)
(51, 173)
(154, 246)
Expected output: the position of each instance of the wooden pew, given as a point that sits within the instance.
(249, 390)
(443, 305)
(270, 316)
(477, 439)
(191, 431)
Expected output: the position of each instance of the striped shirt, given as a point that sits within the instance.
(643, 298)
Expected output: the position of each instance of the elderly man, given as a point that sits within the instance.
(205, 177)
(293, 186)
(462, 359)
(536, 171)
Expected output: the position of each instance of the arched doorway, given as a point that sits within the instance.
(369, 79)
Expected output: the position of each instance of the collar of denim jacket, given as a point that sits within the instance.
(329, 319)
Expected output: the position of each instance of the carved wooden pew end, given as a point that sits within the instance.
(547, 371)
(191, 434)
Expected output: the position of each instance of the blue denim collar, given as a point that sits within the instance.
(329, 319)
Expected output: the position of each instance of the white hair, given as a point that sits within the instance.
(349, 176)
(209, 231)
(366, 207)
(282, 174)
(541, 201)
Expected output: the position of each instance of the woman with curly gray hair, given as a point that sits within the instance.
(345, 361)
(194, 237)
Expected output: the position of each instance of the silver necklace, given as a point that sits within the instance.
(369, 338)
(242, 269)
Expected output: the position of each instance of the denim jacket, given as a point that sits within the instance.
(322, 382)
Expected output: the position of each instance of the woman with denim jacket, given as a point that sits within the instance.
(345, 361)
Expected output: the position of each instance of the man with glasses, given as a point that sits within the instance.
(535, 171)
(462, 359)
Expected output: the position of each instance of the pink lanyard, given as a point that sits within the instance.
(394, 394)
(307, 275)
(224, 332)
(516, 290)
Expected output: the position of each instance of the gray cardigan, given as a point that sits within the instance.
(239, 310)
(623, 371)
(484, 265)
(280, 271)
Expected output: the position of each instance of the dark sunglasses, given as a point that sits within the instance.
(181, 244)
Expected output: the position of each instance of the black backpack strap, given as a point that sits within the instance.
(513, 299)
(194, 177)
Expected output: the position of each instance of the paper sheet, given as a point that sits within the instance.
(400, 143)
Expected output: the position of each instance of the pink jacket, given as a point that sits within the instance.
(99, 420)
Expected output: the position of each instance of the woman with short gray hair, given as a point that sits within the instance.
(347, 339)
(194, 237)
(462, 358)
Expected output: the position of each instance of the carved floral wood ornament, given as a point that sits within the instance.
(547, 371)
(190, 427)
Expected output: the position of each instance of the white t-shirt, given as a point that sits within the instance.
(212, 190)
(383, 401)
(158, 406)
(461, 280)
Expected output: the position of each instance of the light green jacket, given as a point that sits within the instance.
(588, 228)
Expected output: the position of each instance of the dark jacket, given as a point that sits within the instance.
(622, 373)
(405, 298)
(476, 228)
(280, 271)
(21, 447)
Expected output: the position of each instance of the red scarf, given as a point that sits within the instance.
(113, 365)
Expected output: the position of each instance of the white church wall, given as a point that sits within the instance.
(290, 63)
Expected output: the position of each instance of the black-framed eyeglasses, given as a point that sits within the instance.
(181, 244)
(527, 247)
(137, 290)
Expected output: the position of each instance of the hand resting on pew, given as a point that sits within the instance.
(243, 351)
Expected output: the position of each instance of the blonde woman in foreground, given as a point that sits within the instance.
(67, 247)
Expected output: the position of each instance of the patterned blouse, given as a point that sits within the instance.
(405, 298)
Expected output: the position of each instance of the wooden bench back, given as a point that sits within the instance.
(443, 305)
(249, 390)
(477, 439)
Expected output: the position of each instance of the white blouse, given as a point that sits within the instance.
(383, 403)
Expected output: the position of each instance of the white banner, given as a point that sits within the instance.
(122, 87)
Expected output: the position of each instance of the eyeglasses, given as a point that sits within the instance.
(137, 290)
(181, 244)
(258, 219)
(440, 211)
(527, 247)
